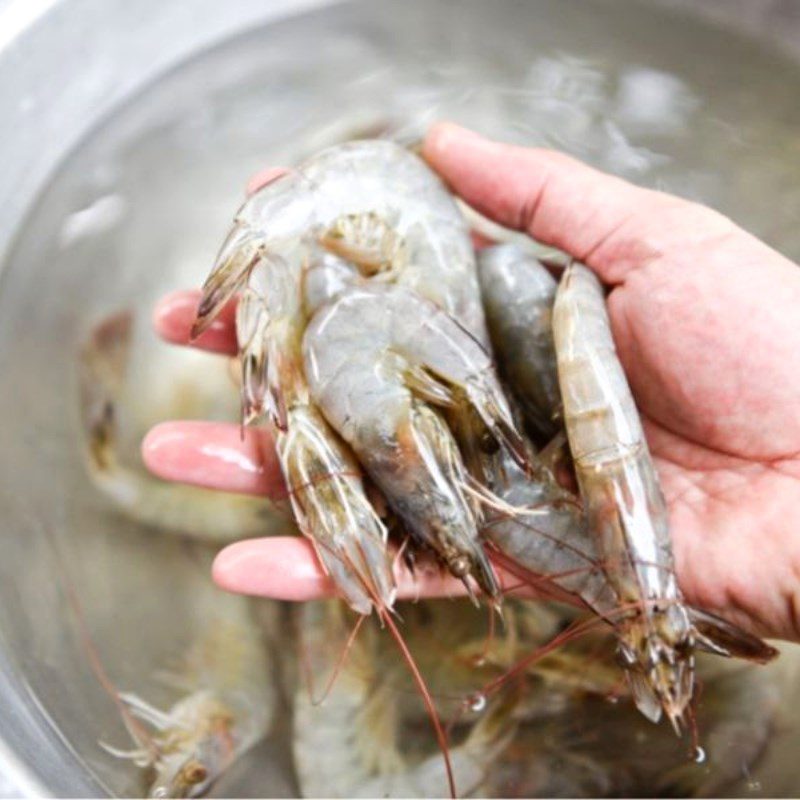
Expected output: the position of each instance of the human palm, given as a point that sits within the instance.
(704, 320)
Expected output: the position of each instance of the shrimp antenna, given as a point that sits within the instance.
(137, 731)
(441, 736)
(316, 701)
(385, 616)
(573, 631)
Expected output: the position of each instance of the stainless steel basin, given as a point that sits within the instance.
(166, 107)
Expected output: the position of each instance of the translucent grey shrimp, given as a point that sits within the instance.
(544, 532)
(201, 513)
(351, 742)
(551, 732)
(226, 703)
(377, 360)
(518, 294)
(324, 479)
(375, 205)
(625, 508)
(543, 538)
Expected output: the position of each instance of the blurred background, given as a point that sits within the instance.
(128, 131)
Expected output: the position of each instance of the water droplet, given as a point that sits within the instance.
(699, 755)
(753, 786)
(479, 661)
(477, 702)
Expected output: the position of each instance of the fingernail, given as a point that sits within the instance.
(263, 177)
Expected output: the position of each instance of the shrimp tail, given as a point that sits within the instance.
(718, 636)
(239, 253)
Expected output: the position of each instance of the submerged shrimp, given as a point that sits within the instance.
(377, 360)
(551, 731)
(226, 705)
(581, 745)
(382, 209)
(625, 508)
(365, 737)
(214, 516)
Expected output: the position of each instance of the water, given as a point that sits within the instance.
(140, 207)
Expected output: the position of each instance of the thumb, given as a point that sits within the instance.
(604, 221)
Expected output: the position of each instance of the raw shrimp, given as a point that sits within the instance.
(201, 513)
(625, 509)
(337, 201)
(351, 743)
(324, 479)
(552, 732)
(372, 203)
(545, 535)
(376, 359)
(379, 207)
(226, 704)
(581, 745)
(518, 294)
(543, 538)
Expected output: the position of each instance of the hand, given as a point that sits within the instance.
(704, 317)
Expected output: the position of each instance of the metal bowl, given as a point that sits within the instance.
(158, 112)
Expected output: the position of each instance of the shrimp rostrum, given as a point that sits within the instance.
(378, 208)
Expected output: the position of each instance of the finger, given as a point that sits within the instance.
(215, 455)
(175, 314)
(263, 177)
(479, 241)
(601, 220)
(287, 568)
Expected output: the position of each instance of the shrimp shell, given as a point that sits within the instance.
(624, 504)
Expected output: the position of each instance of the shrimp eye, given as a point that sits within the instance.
(625, 657)
(194, 772)
(488, 443)
(459, 566)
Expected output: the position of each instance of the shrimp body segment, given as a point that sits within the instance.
(518, 295)
(373, 204)
(625, 508)
(378, 361)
